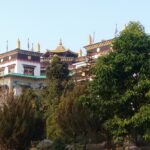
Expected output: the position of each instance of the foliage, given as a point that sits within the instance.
(57, 85)
(17, 122)
(119, 94)
(53, 131)
(57, 69)
(77, 122)
(59, 145)
(39, 120)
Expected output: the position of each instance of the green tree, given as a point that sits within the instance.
(120, 91)
(57, 70)
(77, 122)
(59, 145)
(57, 84)
(39, 121)
(17, 121)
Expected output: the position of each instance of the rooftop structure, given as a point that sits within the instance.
(66, 55)
(81, 69)
(95, 50)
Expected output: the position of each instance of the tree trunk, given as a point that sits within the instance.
(109, 142)
(84, 146)
(74, 142)
(85, 143)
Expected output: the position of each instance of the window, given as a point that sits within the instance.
(43, 72)
(29, 57)
(29, 70)
(11, 68)
(2, 71)
(98, 50)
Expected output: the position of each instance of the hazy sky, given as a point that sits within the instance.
(46, 21)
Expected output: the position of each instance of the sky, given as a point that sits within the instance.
(46, 21)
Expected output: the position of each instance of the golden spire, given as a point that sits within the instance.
(80, 53)
(38, 48)
(90, 40)
(18, 45)
(32, 49)
(7, 46)
(125, 26)
(60, 42)
(116, 30)
(28, 44)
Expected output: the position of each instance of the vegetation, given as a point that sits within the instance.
(17, 122)
(59, 145)
(77, 122)
(119, 94)
(57, 79)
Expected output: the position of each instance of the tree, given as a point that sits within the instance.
(57, 84)
(59, 145)
(17, 122)
(77, 122)
(57, 80)
(120, 91)
(39, 121)
(57, 70)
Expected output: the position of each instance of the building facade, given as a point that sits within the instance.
(27, 68)
(20, 69)
(81, 69)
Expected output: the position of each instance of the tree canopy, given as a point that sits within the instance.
(57, 84)
(57, 70)
(120, 90)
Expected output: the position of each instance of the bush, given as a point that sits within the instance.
(59, 145)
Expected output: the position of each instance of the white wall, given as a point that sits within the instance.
(19, 66)
(8, 64)
(21, 63)
(79, 64)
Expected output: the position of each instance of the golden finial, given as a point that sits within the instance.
(93, 40)
(80, 53)
(90, 40)
(7, 46)
(28, 44)
(38, 47)
(32, 49)
(18, 44)
(60, 41)
(116, 30)
(125, 26)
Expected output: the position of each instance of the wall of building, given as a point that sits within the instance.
(17, 83)
(20, 68)
(79, 64)
(8, 64)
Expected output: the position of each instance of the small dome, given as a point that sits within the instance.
(60, 47)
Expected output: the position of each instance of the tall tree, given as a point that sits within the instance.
(120, 90)
(57, 70)
(57, 83)
(77, 121)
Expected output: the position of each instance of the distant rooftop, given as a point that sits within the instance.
(98, 44)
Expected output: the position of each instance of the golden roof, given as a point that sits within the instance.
(59, 48)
